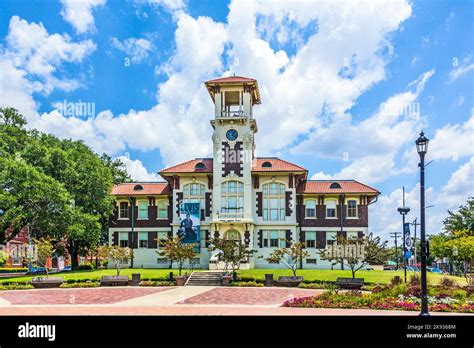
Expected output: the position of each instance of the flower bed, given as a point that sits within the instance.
(357, 300)
(156, 283)
(247, 284)
(80, 285)
(14, 286)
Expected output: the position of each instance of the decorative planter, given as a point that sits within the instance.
(180, 280)
(226, 280)
(43, 283)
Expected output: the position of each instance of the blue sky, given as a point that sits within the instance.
(336, 81)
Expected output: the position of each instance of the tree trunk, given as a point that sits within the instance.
(73, 252)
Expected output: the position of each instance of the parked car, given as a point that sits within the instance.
(38, 270)
(66, 269)
(435, 270)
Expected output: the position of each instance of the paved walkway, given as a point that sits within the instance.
(189, 300)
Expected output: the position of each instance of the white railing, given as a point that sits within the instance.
(238, 113)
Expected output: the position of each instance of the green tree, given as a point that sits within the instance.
(231, 252)
(174, 250)
(118, 256)
(289, 256)
(44, 250)
(357, 253)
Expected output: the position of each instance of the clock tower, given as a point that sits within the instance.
(233, 150)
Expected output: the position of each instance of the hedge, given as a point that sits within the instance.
(13, 270)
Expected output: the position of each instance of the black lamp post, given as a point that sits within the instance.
(403, 212)
(422, 148)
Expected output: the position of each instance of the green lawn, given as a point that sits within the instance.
(378, 277)
(381, 277)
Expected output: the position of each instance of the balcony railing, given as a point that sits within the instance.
(237, 113)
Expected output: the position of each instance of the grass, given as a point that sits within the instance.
(376, 277)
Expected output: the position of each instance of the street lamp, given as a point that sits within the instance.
(422, 148)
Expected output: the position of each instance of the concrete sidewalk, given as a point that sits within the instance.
(165, 298)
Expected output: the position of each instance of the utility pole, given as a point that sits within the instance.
(396, 235)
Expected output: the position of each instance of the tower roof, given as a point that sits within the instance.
(235, 81)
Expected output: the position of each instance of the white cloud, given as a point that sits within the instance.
(79, 14)
(30, 61)
(137, 171)
(136, 48)
(459, 187)
(371, 144)
(460, 69)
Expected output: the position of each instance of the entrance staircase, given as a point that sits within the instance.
(205, 279)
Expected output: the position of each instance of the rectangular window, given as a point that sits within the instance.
(162, 236)
(310, 239)
(331, 209)
(310, 209)
(143, 239)
(143, 210)
(313, 261)
(352, 209)
(123, 210)
(331, 238)
(274, 239)
(123, 236)
(162, 207)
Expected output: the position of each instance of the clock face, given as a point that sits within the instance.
(231, 134)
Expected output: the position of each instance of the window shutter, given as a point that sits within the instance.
(207, 233)
(152, 240)
(170, 234)
(288, 238)
(320, 239)
(179, 197)
(259, 203)
(360, 234)
(260, 238)
(115, 238)
(288, 203)
(133, 242)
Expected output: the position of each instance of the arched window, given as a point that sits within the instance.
(199, 166)
(335, 185)
(195, 193)
(266, 164)
(138, 188)
(310, 206)
(274, 208)
(232, 197)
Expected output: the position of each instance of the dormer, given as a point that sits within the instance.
(233, 96)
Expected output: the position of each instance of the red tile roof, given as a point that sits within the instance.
(190, 167)
(277, 165)
(347, 186)
(231, 79)
(149, 188)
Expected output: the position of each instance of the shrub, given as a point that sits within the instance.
(155, 283)
(80, 285)
(16, 286)
(414, 279)
(413, 290)
(447, 282)
(86, 266)
(247, 284)
(13, 270)
(396, 280)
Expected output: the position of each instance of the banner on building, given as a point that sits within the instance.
(407, 243)
(190, 223)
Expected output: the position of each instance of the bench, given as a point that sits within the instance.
(114, 281)
(350, 283)
(44, 283)
(289, 281)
